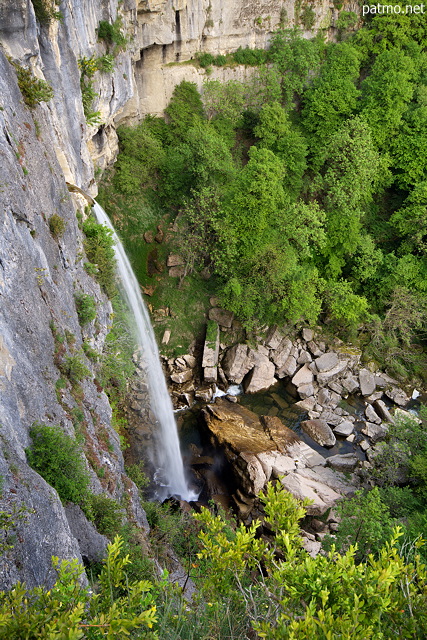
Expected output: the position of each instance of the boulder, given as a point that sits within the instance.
(149, 237)
(314, 349)
(307, 404)
(319, 431)
(366, 382)
(174, 260)
(177, 272)
(343, 462)
(211, 347)
(371, 415)
(261, 377)
(237, 363)
(166, 337)
(382, 410)
(325, 377)
(307, 334)
(321, 495)
(304, 357)
(204, 393)
(331, 418)
(374, 431)
(281, 354)
(274, 338)
(306, 391)
(288, 368)
(326, 362)
(398, 396)
(345, 428)
(182, 376)
(303, 377)
(221, 316)
(210, 374)
(350, 383)
(190, 361)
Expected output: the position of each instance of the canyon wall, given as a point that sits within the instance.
(41, 149)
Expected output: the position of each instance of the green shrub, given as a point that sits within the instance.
(74, 369)
(121, 608)
(34, 90)
(111, 33)
(99, 245)
(90, 352)
(86, 307)
(107, 515)
(57, 457)
(46, 10)
(307, 17)
(105, 63)
(137, 473)
(206, 59)
(250, 57)
(220, 60)
(56, 225)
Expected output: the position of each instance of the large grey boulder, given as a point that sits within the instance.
(371, 415)
(374, 431)
(319, 431)
(237, 363)
(274, 338)
(288, 368)
(366, 382)
(282, 352)
(303, 377)
(326, 361)
(343, 462)
(345, 428)
(261, 377)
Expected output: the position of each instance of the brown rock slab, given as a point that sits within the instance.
(149, 237)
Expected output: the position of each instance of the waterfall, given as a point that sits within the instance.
(166, 456)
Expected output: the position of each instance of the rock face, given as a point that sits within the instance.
(39, 276)
(260, 449)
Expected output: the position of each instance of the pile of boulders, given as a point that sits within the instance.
(261, 448)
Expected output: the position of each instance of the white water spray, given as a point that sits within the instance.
(166, 455)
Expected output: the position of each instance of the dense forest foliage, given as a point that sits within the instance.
(303, 190)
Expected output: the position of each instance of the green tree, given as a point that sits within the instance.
(386, 93)
(296, 59)
(332, 97)
(276, 133)
(184, 108)
(365, 522)
(351, 172)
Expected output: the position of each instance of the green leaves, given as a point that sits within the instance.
(57, 457)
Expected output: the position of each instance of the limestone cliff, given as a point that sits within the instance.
(41, 149)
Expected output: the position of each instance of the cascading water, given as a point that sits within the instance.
(166, 456)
